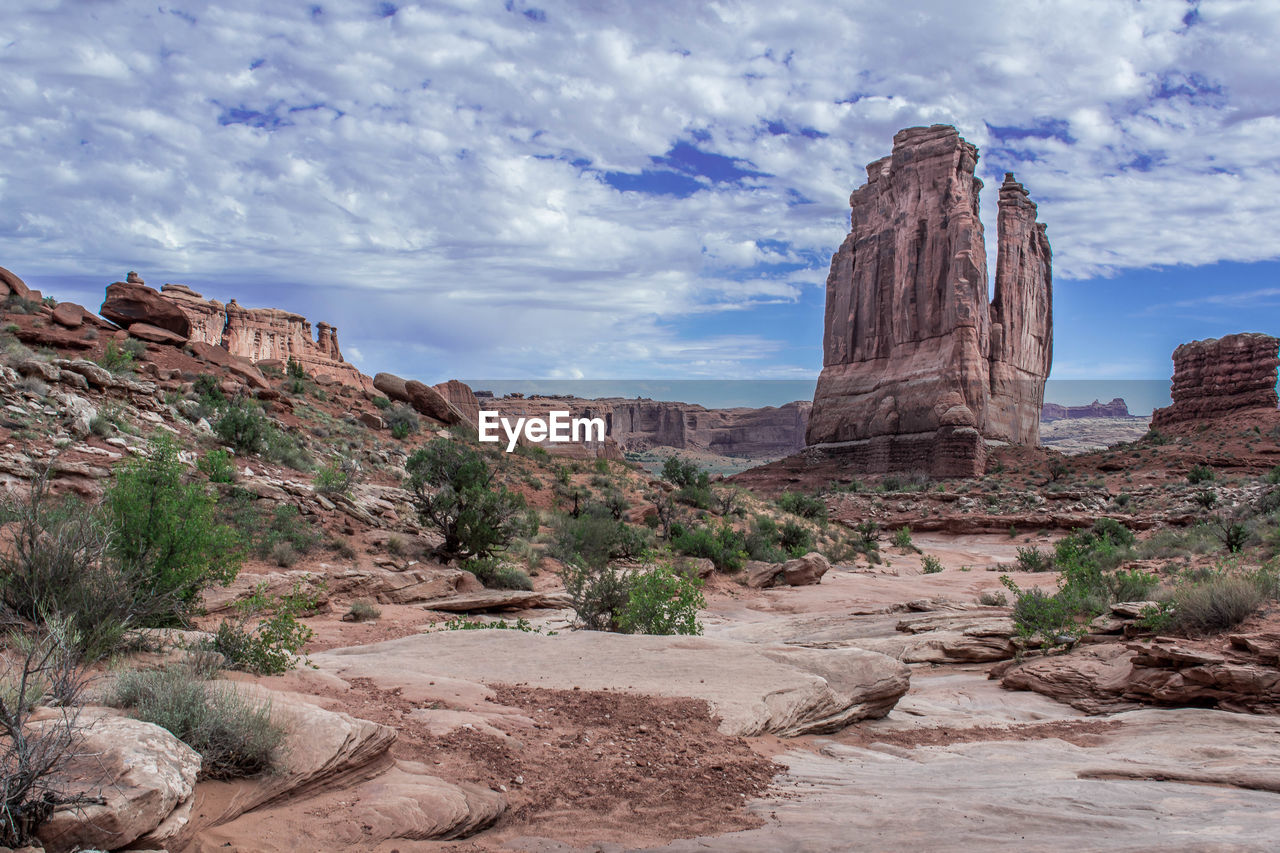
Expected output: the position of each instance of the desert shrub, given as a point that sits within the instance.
(46, 664)
(598, 594)
(1034, 560)
(134, 348)
(382, 402)
(209, 389)
(662, 601)
(902, 539)
(992, 598)
(806, 506)
(338, 477)
(234, 735)
(395, 546)
(273, 644)
(1040, 615)
(33, 385)
(595, 537)
(495, 574)
(795, 539)
(283, 555)
(762, 542)
(1114, 531)
(681, 473)
(930, 565)
(363, 610)
(723, 546)
(1199, 474)
(164, 533)
(294, 369)
(1232, 533)
(402, 420)
(454, 491)
(217, 466)
(115, 358)
(1273, 476)
(244, 427)
(1216, 603)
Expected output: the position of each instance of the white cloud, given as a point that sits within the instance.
(420, 169)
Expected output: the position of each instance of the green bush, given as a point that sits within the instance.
(244, 427)
(294, 369)
(662, 601)
(682, 473)
(598, 594)
(795, 539)
(337, 478)
(217, 466)
(763, 541)
(595, 537)
(930, 565)
(806, 506)
(495, 574)
(234, 735)
(1216, 604)
(723, 546)
(902, 539)
(455, 492)
(1273, 476)
(164, 531)
(1200, 474)
(271, 646)
(115, 358)
(382, 402)
(1034, 560)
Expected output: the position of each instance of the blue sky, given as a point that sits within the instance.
(509, 189)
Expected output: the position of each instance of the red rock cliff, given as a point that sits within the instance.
(918, 370)
(1220, 376)
(261, 334)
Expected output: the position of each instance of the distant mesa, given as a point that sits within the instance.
(919, 371)
(1117, 408)
(1221, 376)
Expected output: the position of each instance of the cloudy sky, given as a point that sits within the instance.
(538, 188)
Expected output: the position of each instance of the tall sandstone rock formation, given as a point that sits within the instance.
(1221, 376)
(919, 372)
(264, 334)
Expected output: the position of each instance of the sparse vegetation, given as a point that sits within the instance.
(363, 610)
(233, 733)
(655, 600)
(1200, 474)
(806, 506)
(930, 565)
(271, 646)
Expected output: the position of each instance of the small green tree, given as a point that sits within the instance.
(164, 532)
(662, 601)
(454, 490)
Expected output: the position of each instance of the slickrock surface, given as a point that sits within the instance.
(753, 689)
(918, 370)
(1219, 376)
(1187, 780)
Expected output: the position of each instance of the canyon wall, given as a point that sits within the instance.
(1221, 376)
(919, 372)
(639, 425)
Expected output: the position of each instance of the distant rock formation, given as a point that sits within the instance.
(11, 285)
(260, 334)
(1117, 408)
(129, 302)
(1221, 376)
(919, 371)
(640, 425)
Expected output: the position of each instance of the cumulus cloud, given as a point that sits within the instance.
(554, 188)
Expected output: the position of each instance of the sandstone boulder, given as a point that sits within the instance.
(489, 600)
(11, 285)
(752, 688)
(144, 775)
(430, 402)
(155, 334)
(802, 571)
(69, 314)
(392, 386)
(129, 303)
(459, 396)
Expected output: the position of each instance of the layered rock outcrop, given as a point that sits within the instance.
(918, 370)
(1221, 376)
(640, 425)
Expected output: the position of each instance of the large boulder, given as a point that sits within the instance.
(11, 285)
(753, 688)
(243, 369)
(155, 334)
(143, 775)
(430, 402)
(460, 396)
(392, 386)
(129, 303)
(69, 314)
(801, 571)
